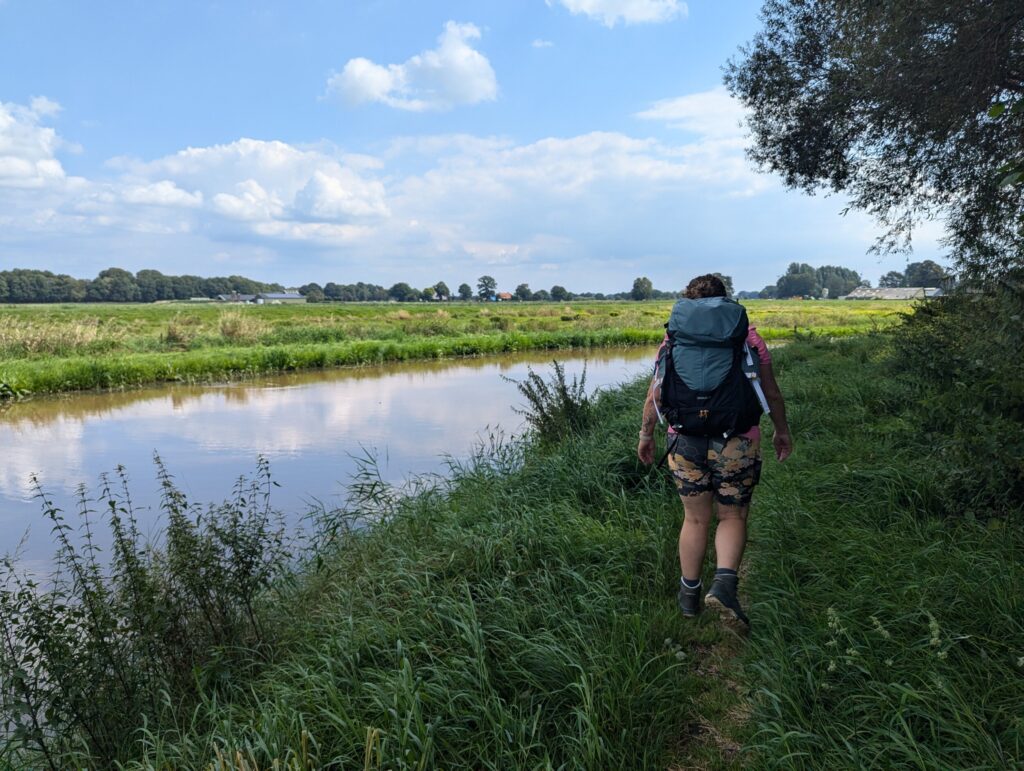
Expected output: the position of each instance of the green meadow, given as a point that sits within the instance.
(55, 348)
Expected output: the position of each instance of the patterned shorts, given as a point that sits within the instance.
(731, 468)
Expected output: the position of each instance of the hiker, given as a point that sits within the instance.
(712, 381)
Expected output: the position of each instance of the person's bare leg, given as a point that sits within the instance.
(693, 537)
(730, 538)
(731, 535)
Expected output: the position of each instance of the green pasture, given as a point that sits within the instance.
(54, 348)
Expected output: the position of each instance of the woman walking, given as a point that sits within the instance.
(706, 386)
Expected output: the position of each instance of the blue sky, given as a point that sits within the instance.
(573, 142)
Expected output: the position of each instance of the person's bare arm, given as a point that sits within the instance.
(645, 449)
(783, 441)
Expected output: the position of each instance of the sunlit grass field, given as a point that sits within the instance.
(54, 348)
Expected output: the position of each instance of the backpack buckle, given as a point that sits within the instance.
(703, 414)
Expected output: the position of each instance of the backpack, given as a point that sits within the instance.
(705, 386)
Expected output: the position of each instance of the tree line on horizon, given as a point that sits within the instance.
(28, 285)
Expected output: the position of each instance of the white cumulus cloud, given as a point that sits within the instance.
(454, 73)
(28, 150)
(611, 12)
(712, 113)
(267, 182)
(163, 193)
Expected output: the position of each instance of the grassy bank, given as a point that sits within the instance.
(889, 606)
(517, 615)
(49, 349)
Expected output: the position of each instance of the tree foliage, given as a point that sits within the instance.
(643, 289)
(925, 273)
(803, 280)
(727, 280)
(486, 287)
(892, 280)
(914, 110)
(403, 293)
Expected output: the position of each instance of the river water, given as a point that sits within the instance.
(310, 426)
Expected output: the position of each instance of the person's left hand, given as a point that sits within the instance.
(783, 445)
(645, 451)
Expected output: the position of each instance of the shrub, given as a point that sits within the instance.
(180, 331)
(240, 326)
(555, 408)
(965, 354)
(103, 647)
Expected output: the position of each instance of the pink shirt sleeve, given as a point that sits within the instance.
(661, 348)
(757, 343)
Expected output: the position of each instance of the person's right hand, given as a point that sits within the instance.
(645, 451)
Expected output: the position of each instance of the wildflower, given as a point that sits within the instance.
(681, 655)
(851, 651)
(879, 628)
(933, 627)
(834, 624)
(832, 665)
(888, 662)
(1020, 662)
(942, 655)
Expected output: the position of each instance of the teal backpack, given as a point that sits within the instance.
(707, 372)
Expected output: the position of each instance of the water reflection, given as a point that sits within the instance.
(308, 425)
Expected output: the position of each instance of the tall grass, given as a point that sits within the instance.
(520, 613)
(49, 348)
(889, 628)
(517, 614)
(53, 375)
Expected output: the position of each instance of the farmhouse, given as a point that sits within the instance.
(504, 296)
(896, 293)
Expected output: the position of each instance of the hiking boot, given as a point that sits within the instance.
(722, 597)
(689, 599)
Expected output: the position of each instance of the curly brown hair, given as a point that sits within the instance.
(708, 285)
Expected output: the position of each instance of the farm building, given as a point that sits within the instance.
(278, 298)
(896, 293)
(504, 296)
(234, 297)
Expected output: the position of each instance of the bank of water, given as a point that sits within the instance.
(313, 427)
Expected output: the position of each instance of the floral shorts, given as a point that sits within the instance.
(728, 467)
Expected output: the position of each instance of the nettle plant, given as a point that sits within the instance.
(106, 644)
(555, 407)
